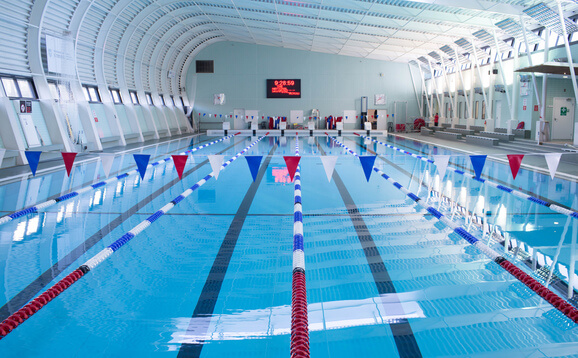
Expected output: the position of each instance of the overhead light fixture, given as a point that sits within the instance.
(515, 30)
(550, 18)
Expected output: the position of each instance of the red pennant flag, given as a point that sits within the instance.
(68, 160)
(292, 163)
(180, 161)
(515, 162)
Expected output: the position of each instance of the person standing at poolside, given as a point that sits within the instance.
(436, 120)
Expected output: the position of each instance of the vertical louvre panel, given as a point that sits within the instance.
(14, 18)
(86, 46)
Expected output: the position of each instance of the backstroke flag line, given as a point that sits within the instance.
(329, 165)
(216, 163)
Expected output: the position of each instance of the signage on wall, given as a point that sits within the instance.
(25, 106)
(563, 111)
(536, 108)
(284, 88)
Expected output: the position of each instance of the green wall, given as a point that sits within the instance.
(330, 83)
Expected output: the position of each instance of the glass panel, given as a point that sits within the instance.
(476, 111)
(94, 96)
(86, 94)
(10, 87)
(25, 88)
(173, 100)
(53, 90)
(65, 94)
(115, 96)
(483, 109)
(134, 98)
(149, 98)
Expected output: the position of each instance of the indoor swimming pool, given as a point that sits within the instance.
(212, 276)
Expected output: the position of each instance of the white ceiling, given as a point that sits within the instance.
(135, 43)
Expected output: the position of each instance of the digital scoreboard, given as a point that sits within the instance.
(284, 88)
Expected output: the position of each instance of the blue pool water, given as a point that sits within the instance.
(177, 285)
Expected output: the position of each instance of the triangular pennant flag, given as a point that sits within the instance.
(106, 159)
(254, 161)
(515, 162)
(329, 165)
(68, 158)
(142, 160)
(552, 159)
(180, 161)
(2, 152)
(216, 163)
(292, 163)
(33, 158)
(478, 162)
(192, 159)
(367, 164)
(441, 162)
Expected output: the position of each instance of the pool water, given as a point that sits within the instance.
(212, 277)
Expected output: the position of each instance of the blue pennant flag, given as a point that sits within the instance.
(33, 159)
(367, 164)
(254, 161)
(478, 162)
(142, 160)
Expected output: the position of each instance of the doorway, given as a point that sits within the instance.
(563, 118)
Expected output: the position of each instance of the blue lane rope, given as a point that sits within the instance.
(298, 254)
(38, 207)
(569, 212)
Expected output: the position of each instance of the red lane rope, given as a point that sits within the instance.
(299, 322)
(18, 317)
(559, 303)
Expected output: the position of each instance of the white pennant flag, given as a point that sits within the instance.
(106, 160)
(216, 163)
(2, 152)
(441, 162)
(552, 159)
(191, 159)
(329, 165)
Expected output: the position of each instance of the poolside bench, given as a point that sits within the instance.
(426, 131)
(460, 126)
(174, 131)
(446, 125)
(500, 130)
(474, 139)
(163, 133)
(109, 139)
(131, 136)
(477, 129)
(148, 135)
(461, 131)
(504, 137)
(522, 133)
(447, 135)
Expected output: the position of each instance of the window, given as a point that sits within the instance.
(477, 108)
(65, 93)
(18, 87)
(173, 101)
(149, 98)
(183, 103)
(460, 109)
(162, 99)
(115, 96)
(205, 66)
(133, 97)
(53, 90)
(91, 93)
(483, 109)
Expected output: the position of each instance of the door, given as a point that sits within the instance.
(239, 118)
(563, 118)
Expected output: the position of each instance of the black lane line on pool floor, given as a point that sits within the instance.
(556, 282)
(30, 291)
(210, 293)
(401, 329)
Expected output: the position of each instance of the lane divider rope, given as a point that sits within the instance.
(44, 205)
(559, 303)
(299, 321)
(557, 208)
(18, 317)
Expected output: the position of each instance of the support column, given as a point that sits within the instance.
(572, 72)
